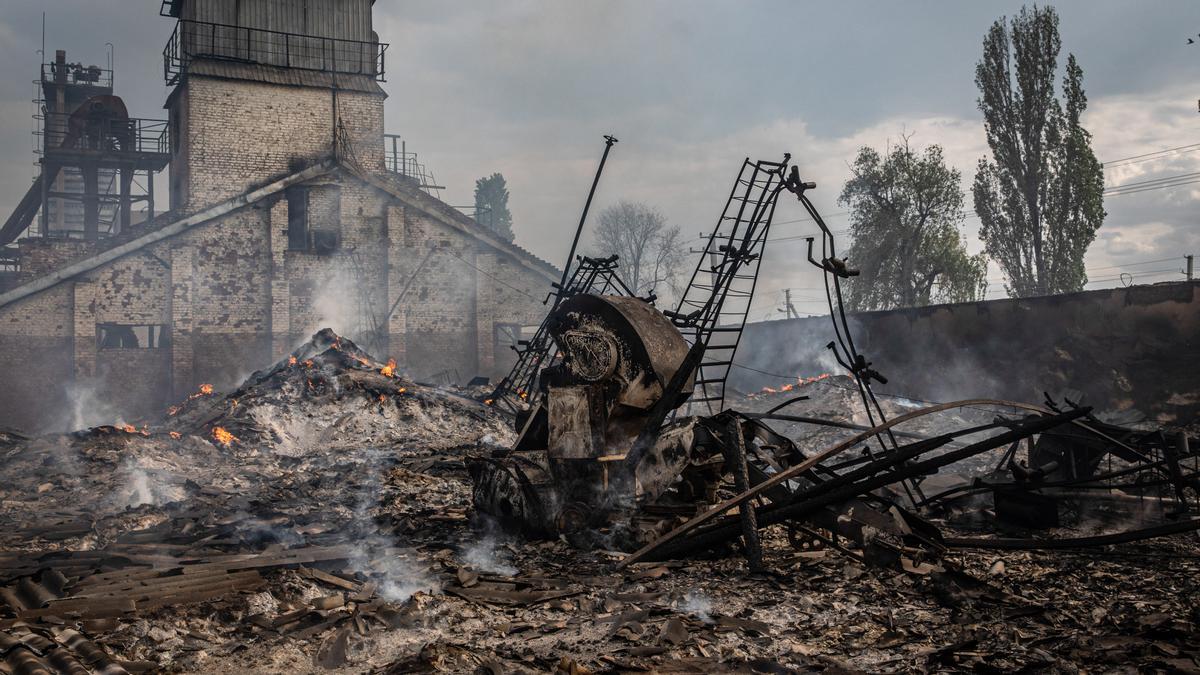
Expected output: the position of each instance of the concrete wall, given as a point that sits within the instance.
(1123, 348)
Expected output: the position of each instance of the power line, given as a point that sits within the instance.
(1152, 187)
(1152, 181)
(1147, 273)
(1149, 155)
(1143, 262)
(1110, 267)
(488, 274)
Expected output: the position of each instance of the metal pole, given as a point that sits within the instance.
(149, 196)
(1190, 259)
(735, 458)
(608, 143)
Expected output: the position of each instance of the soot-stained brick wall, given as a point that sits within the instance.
(234, 294)
(1122, 348)
(236, 134)
(37, 355)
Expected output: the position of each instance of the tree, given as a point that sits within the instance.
(491, 205)
(651, 252)
(906, 209)
(1040, 198)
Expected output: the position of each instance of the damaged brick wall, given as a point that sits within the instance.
(37, 350)
(1122, 348)
(236, 294)
(238, 133)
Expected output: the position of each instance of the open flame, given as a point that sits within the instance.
(390, 369)
(222, 436)
(175, 434)
(206, 389)
(800, 382)
(291, 360)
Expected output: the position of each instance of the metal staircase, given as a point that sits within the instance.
(714, 307)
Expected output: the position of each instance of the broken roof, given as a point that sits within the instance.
(396, 188)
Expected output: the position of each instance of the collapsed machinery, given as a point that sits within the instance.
(608, 456)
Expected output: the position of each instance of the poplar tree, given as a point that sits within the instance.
(1040, 196)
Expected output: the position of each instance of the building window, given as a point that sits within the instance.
(507, 336)
(297, 201)
(138, 336)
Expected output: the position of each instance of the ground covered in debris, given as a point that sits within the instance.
(318, 519)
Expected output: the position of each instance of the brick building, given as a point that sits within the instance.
(286, 216)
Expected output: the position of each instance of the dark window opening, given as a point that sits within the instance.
(119, 336)
(297, 201)
(507, 336)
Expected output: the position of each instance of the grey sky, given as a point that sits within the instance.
(691, 87)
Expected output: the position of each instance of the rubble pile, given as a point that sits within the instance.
(318, 519)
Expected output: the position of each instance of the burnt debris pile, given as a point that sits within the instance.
(610, 506)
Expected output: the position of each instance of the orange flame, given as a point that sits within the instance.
(487, 401)
(308, 363)
(390, 369)
(291, 360)
(173, 410)
(175, 434)
(128, 428)
(382, 398)
(206, 389)
(223, 437)
(401, 390)
(800, 382)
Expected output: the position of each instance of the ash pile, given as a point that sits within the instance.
(274, 512)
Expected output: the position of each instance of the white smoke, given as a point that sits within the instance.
(484, 555)
(140, 486)
(400, 573)
(698, 605)
(87, 407)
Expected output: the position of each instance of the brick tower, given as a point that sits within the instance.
(262, 87)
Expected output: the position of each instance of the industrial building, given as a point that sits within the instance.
(289, 208)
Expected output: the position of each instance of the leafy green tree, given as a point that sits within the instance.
(491, 205)
(906, 209)
(1040, 197)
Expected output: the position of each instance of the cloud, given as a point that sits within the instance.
(691, 87)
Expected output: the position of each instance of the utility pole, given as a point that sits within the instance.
(788, 308)
(1190, 259)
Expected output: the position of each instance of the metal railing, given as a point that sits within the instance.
(397, 159)
(103, 135)
(198, 39)
(77, 73)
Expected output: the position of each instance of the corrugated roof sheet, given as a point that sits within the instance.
(295, 77)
